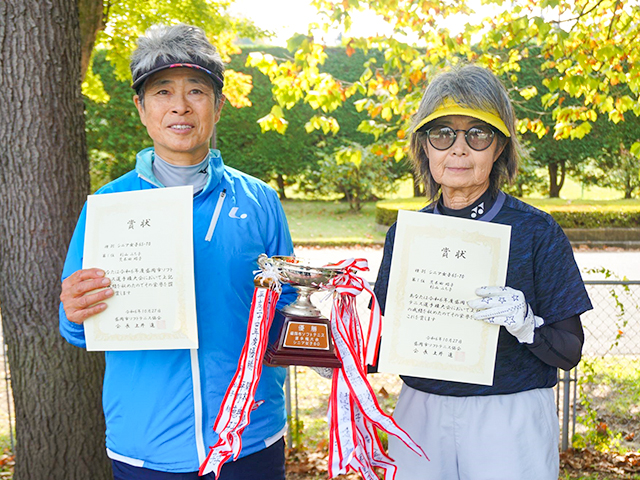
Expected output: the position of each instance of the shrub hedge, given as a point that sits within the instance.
(615, 214)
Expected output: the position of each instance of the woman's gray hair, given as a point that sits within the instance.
(472, 87)
(168, 44)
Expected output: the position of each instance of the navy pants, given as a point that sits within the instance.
(267, 464)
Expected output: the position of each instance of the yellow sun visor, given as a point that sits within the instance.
(449, 107)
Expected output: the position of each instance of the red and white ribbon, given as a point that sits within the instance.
(239, 401)
(354, 413)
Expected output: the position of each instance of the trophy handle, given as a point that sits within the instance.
(263, 259)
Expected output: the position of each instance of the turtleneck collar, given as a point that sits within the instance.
(178, 175)
(144, 168)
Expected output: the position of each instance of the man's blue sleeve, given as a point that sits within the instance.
(72, 332)
(280, 242)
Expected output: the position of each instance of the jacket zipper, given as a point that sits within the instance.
(216, 214)
(197, 405)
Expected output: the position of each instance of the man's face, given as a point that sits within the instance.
(180, 113)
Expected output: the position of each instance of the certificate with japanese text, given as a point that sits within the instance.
(428, 330)
(143, 240)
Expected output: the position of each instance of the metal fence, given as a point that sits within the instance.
(602, 386)
(604, 381)
(611, 353)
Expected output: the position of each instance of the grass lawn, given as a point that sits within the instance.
(541, 203)
(331, 223)
(571, 190)
(327, 223)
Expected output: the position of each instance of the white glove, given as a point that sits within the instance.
(507, 307)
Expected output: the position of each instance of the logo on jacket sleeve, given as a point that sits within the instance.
(233, 212)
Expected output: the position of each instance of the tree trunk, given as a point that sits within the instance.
(556, 179)
(281, 192)
(92, 20)
(628, 185)
(44, 180)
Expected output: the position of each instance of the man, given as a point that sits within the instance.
(160, 406)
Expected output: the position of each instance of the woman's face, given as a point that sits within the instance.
(179, 112)
(461, 170)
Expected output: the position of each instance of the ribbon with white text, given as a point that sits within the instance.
(354, 413)
(239, 401)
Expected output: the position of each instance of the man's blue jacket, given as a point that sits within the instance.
(160, 406)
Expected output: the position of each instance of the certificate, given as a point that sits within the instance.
(438, 262)
(143, 240)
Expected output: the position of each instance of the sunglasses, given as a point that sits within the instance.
(478, 138)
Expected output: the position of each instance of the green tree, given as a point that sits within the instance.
(354, 172)
(612, 162)
(587, 47)
(619, 170)
(268, 156)
(559, 156)
(121, 23)
(295, 154)
(114, 131)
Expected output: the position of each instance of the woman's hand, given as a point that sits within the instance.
(507, 307)
(82, 293)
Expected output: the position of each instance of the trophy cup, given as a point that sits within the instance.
(303, 334)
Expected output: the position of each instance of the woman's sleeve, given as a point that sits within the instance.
(560, 299)
(382, 282)
(559, 344)
(279, 240)
(559, 290)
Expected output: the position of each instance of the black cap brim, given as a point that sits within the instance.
(142, 78)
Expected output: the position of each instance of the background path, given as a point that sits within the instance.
(601, 325)
(620, 262)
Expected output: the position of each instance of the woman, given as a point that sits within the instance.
(464, 146)
(160, 406)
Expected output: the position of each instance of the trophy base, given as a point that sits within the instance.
(303, 341)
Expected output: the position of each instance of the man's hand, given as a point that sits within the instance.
(79, 298)
(507, 307)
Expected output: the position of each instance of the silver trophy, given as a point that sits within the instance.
(303, 334)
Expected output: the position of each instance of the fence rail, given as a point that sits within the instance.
(612, 332)
(612, 335)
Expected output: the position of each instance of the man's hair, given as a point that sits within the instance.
(476, 88)
(162, 45)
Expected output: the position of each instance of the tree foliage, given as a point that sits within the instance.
(124, 21)
(115, 134)
(586, 49)
(354, 172)
(612, 160)
(558, 156)
(114, 131)
(268, 156)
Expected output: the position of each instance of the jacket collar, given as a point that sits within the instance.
(144, 168)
